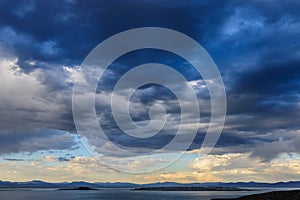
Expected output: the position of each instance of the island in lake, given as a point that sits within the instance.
(211, 188)
(78, 188)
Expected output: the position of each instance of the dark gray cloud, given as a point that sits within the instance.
(64, 32)
(35, 140)
(14, 159)
(66, 158)
(255, 45)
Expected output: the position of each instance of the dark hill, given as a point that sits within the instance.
(277, 195)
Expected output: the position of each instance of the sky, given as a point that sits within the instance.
(254, 44)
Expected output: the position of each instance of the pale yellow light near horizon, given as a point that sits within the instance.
(212, 168)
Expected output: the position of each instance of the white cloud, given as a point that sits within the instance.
(243, 167)
(26, 102)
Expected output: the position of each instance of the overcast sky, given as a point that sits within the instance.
(255, 45)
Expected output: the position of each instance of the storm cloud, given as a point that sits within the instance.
(255, 46)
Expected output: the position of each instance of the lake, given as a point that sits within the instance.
(120, 194)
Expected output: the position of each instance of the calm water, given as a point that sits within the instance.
(119, 194)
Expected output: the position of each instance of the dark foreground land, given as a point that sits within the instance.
(277, 195)
(192, 189)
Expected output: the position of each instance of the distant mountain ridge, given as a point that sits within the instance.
(42, 184)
